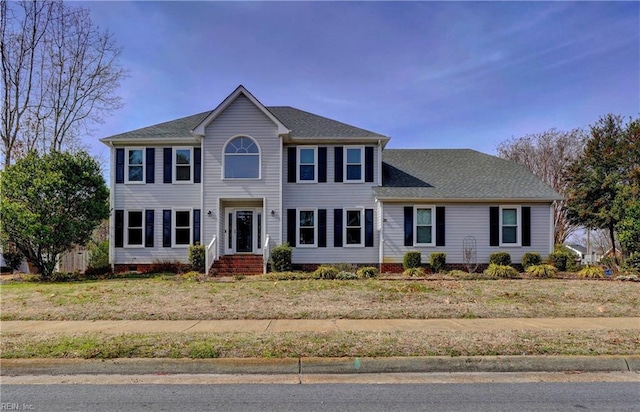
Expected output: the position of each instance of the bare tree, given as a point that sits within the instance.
(548, 156)
(59, 76)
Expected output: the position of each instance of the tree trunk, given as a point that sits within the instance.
(613, 243)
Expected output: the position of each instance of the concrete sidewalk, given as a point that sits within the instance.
(317, 325)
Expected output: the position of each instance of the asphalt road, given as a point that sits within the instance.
(556, 396)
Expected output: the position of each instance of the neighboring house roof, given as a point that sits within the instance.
(457, 174)
(577, 248)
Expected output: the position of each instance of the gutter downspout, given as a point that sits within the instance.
(112, 195)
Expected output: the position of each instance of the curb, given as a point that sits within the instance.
(311, 366)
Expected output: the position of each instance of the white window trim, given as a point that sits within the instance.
(315, 227)
(518, 226)
(315, 164)
(126, 166)
(126, 229)
(344, 166)
(175, 165)
(224, 159)
(415, 225)
(174, 227)
(344, 226)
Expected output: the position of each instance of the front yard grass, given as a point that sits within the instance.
(330, 344)
(170, 297)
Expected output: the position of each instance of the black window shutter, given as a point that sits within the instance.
(322, 227)
(119, 165)
(322, 164)
(119, 240)
(494, 226)
(150, 159)
(168, 152)
(440, 226)
(337, 227)
(368, 227)
(291, 227)
(148, 228)
(408, 225)
(338, 165)
(368, 164)
(166, 228)
(196, 226)
(291, 164)
(197, 165)
(526, 226)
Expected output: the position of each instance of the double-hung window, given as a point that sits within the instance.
(183, 164)
(353, 164)
(182, 227)
(307, 164)
(134, 228)
(509, 222)
(307, 225)
(424, 218)
(353, 227)
(135, 165)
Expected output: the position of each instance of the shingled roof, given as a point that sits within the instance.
(300, 123)
(462, 174)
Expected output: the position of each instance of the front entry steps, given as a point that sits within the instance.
(230, 265)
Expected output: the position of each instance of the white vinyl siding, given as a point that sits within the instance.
(330, 196)
(241, 118)
(464, 220)
(158, 196)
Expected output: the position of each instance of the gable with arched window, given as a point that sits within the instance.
(242, 158)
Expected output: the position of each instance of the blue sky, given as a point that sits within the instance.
(427, 74)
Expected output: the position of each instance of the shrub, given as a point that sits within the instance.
(414, 272)
(559, 260)
(459, 274)
(412, 259)
(542, 271)
(592, 272)
(197, 257)
(345, 267)
(342, 275)
(281, 258)
(64, 277)
(633, 261)
(531, 258)
(438, 261)
(13, 259)
(629, 278)
(95, 273)
(500, 258)
(326, 272)
(99, 257)
(501, 271)
(367, 272)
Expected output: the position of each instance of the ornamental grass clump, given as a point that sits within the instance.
(414, 272)
(501, 271)
(367, 272)
(594, 272)
(542, 271)
(326, 272)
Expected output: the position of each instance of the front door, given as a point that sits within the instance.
(243, 230)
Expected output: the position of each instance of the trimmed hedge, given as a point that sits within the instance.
(412, 259)
(438, 261)
(281, 258)
(500, 258)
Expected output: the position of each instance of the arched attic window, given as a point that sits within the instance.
(242, 159)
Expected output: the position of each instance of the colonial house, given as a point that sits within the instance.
(245, 177)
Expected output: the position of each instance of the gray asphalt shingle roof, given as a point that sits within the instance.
(301, 124)
(456, 174)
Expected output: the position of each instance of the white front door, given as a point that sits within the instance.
(243, 230)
